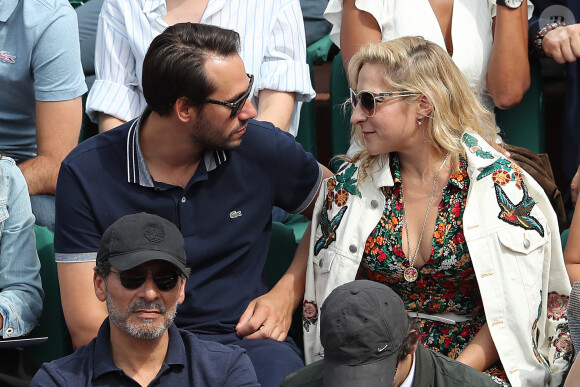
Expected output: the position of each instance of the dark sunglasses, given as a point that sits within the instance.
(238, 104)
(133, 279)
(368, 99)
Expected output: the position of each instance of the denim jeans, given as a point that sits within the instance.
(43, 210)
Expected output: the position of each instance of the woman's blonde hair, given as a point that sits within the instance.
(422, 67)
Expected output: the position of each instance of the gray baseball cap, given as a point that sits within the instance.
(363, 324)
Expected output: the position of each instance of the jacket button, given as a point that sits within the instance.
(374, 203)
(9, 331)
(321, 263)
(526, 243)
(352, 248)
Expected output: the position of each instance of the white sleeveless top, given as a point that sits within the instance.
(471, 30)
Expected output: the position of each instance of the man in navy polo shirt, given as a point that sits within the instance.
(196, 158)
(141, 274)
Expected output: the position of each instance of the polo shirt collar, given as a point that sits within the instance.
(137, 170)
(103, 358)
(7, 9)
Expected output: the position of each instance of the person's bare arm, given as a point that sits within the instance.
(108, 122)
(357, 29)
(270, 315)
(508, 74)
(276, 107)
(481, 352)
(83, 311)
(58, 125)
(572, 250)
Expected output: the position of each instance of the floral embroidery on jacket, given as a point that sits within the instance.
(503, 171)
(309, 314)
(518, 214)
(562, 343)
(474, 147)
(557, 305)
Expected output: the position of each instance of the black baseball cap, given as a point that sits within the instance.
(135, 239)
(363, 324)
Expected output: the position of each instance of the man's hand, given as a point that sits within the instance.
(267, 317)
(563, 43)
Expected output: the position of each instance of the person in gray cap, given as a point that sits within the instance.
(369, 340)
(138, 342)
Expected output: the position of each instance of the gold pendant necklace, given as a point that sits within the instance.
(411, 273)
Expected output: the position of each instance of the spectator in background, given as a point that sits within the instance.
(21, 291)
(140, 274)
(487, 42)
(555, 33)
(273, 50)
(42, 83)
(369, 341)
(20, 287)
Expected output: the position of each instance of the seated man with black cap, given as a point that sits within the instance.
(369, 340)
(138, 342)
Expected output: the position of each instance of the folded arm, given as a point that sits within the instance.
(58, 126)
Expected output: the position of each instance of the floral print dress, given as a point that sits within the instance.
(446, 283)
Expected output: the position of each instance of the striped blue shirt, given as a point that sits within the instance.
(273, 48)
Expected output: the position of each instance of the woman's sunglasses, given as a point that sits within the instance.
(368, 99)
(133, 279)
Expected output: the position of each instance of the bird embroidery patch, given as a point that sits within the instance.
(518, 214)
(328, 228)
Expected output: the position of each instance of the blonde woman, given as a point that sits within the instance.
(466, 238)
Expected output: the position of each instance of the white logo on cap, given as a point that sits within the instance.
(379, 350)
(235, 214)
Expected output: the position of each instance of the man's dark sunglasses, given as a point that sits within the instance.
(133, 279)
(238, 104)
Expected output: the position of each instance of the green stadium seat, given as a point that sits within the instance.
(51, 323)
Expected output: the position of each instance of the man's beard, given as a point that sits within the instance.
(208, 136)
(145, 328)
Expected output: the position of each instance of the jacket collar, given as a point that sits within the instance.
(7, 9)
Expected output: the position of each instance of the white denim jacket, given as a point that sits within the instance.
(516, 254)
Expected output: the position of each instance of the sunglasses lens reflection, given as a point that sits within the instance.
(163, 281)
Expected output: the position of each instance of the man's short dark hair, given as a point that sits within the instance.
(408, 344)
(174, 65)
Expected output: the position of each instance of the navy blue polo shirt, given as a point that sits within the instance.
(224, 213)
(189, 362)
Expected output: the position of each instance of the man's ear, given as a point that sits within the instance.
(184, 110)
(425, 106)
(100, 290)
(181, 297)
(414, 348)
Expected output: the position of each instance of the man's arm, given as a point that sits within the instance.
(83, 311)
(276, 107)
(58, 125)
(270, 315)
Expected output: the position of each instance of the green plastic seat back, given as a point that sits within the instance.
(51, 323)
